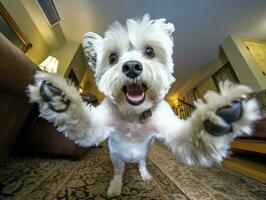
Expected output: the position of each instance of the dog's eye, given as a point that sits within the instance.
(113, 58)
(149, 52)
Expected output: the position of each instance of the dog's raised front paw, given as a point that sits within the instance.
(54, 97)
(48, 91)
(229, 114)
(230, 111)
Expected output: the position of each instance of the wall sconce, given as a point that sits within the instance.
(49, 65)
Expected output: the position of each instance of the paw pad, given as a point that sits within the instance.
(49, 93)
(229, 114)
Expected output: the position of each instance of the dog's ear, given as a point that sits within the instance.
(91, 44)
(168, 27)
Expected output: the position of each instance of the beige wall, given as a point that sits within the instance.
(89, 84)
(202, 77)
(70, 56)
(246, 68)
(68, 53)
(257, 49)
(207, 84)
(65, 56)
(78, 64)
(53, 35)
(40, 49)
(244, 65)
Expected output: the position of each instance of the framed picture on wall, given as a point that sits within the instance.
(225, 73)
(11, 31)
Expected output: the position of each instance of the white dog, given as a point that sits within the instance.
(133, 67)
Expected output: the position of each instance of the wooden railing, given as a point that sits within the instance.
(183, 109)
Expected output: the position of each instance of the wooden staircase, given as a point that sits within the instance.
(249, 154)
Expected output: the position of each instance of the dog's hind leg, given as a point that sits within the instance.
(115, 186)
(144, 173)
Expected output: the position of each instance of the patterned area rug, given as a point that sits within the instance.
(40, 178)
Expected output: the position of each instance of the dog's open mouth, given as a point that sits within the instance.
(135, 93)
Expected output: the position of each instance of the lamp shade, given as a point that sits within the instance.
(50, 64)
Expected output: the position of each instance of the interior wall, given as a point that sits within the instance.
(257, 49)
(53, 35)
(202, 77)
(65, 56)
(206, 85)
(89, 85)
(40, 50)
(78, 64)
(245, 66)
(70, 56)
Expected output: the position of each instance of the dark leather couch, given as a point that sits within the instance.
(21, 130)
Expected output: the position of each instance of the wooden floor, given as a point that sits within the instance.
(252, 145)
(249, 156)
(246, 167)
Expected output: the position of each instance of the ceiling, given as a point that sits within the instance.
(200, 25)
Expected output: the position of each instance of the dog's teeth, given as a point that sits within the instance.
(135, 81)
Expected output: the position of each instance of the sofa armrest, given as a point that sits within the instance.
(16, 69)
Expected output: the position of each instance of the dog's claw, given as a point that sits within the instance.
(229, 114)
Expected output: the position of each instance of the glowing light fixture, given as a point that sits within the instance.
(81, 89)
(49, 65)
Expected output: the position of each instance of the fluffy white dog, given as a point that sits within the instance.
(133, 67)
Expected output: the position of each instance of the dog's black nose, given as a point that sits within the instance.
(132, 68)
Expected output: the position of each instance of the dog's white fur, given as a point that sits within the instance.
(116, 119)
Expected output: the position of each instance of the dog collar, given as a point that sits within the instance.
(143, 118)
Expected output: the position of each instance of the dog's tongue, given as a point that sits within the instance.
(135, 92)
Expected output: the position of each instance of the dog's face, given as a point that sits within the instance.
(133, 64)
